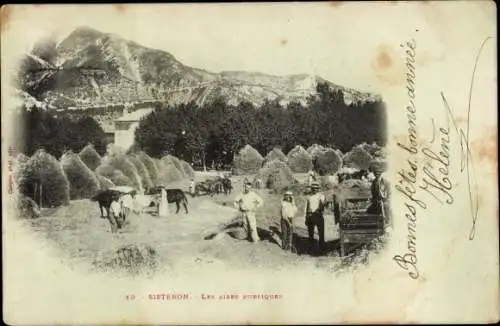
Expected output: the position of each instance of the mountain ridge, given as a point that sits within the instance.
(92, 68)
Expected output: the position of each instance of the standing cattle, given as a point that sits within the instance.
(176, 196)
(105, 198)
(227, 186)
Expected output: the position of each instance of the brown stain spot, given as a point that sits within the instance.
(485, 148)
(120, 8)
(335, 4)
(284, 42)
(5, 17)
(388, 65)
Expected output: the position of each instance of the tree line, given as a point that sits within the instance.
(216, 131)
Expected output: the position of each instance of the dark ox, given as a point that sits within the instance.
(176, 196)
(105, 198)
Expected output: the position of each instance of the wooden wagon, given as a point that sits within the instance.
(356, 227)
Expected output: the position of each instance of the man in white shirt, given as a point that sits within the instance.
(247, 203)
(288, 211)
(314, 216)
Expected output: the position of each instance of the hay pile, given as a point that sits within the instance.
(167, 171)
(141, 170)
(150, 165)
(370, 148)
(358, 158)
(276, 175)
(114, 175)
(27, 208)
(247, 161)
(82, 181)
(315, 149)
(299, 160)
(188, 169)
(17, 171)
(275, 154)
(43, 168)
(175, 161)
(90, 157)
(328, 162)
(122, 163)
(104, 183)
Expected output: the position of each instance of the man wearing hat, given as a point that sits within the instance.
(314, 216)
(288, 211)
(247, 203)
(379, 190)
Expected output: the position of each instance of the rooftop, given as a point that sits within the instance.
(135, 115)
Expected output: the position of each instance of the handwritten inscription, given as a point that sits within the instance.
(431, 175)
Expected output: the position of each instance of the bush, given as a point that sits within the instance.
(83, 182)
(188, 169)
(116, 176)
(44, 169)
(248, 161)
(90, 157)
(328, 162)
(104, 183)
(370, 148)
(275, 154)
(276, 175)
(150, 165)
(299, 160)
(121, 162)
(168, 172)
(315, 149)
(358, 158)
(142, 171)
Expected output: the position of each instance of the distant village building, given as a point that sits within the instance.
(126, 125)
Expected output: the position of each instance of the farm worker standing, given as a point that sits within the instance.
(378, 190)
(288, 211)
(314, 216)
(192, 187)
(163, 205)
(248, 202)
(116, 215)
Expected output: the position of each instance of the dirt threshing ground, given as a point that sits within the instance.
(183, 240)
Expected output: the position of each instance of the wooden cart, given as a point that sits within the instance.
(356, 227)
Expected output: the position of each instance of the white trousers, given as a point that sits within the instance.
(250, 225)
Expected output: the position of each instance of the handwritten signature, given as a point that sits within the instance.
(466, 158)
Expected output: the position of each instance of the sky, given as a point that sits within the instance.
(339, 42)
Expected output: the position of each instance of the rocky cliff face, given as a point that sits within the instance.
(90, 68)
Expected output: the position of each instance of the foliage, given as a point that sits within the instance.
(56, 132)
(214, 132)
(44, 169)
(82, 181)
(90, 157)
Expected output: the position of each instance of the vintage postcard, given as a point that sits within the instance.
(267, 163)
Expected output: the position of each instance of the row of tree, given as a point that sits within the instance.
(216, 131)
(56, 132)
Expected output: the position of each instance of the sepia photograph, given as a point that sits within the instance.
(238, 162)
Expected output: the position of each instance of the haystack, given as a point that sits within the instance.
(122, 163)
(44, 170)
(104, 183)
(276, 175)
(175, 161)
(188, 169)
(247, 161)
(20, 164)
(275, 154)
(90, 157)
(116, 176)
(370, 148)
(141, 170)
(150, 164)
(82, 181)
(27, 208)
(299, 160)
(315, 149)
(358, 158)
(328, 162)
(167, 171)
